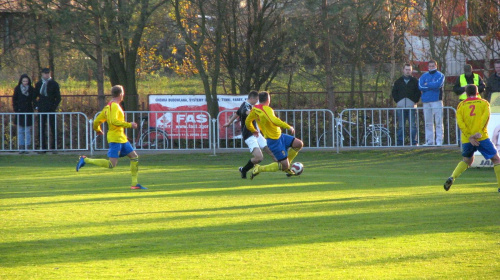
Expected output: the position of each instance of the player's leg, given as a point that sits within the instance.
(113, 154)
(296, 146)
(468, 151)
(253, 145)
(128, 150)
(279, 153)
(496, 168)
(280, 150)
(489, 151)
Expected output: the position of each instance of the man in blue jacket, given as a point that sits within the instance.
(431, 84)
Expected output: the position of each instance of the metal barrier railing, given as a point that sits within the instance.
(196, 130)
(163, 130)
(311, 126)
(380, 128)
(44, 132)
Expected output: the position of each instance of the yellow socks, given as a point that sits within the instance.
(497, 173)
(273, 167)
(134, 169)
(461, 167)
(292, 153)
(99, 162)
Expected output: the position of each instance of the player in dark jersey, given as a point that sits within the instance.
(255, 144)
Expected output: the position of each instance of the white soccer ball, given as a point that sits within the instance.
(297, 167)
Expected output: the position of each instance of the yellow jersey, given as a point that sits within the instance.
(268, 123)
(473, 115)
(113, 114)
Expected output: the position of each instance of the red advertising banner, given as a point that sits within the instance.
(186, 116)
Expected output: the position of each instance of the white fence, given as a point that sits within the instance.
(310, 126)
(196, 130)
(44, 132)
(164, 130)
(379, 127)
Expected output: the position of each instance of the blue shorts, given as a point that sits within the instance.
(280, 146)
(117, 150)
(486, 148)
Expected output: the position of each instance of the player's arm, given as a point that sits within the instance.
(113, 117)
(231, 120)
(98, 121)
(485, 116)
(249, 122)
(460, 121)
(275, 120)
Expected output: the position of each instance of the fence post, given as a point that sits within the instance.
(91, 138)
(214, 140)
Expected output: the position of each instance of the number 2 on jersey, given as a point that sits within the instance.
(472, 107)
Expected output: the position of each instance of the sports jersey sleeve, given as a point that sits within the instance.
(114, 117)
(249, 121)
(485, 117)
(99, 120)
(275, 120)
(461, 123)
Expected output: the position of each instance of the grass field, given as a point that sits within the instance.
(354, 215)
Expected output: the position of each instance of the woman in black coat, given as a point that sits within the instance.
(24, 98)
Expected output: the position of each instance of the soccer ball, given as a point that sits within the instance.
(297, 167)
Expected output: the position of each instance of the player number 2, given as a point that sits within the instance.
(472, 107)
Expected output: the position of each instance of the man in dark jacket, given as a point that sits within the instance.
(406, 94)
(493, 85)
(48, 97)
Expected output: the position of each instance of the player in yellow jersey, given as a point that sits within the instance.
(473, 115)
(118, 143)
(284, 147)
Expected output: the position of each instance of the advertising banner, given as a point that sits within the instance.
(192, 119)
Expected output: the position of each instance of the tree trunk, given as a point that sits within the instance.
(430, 26)
(328, 58)
(360, 77)
(353, 81)
(50, 48)
(100, 65)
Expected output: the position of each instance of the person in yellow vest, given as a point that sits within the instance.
(468, 78)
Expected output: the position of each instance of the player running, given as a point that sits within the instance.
(284, 147)
(473, 115)
(255, 144)
(118, 143)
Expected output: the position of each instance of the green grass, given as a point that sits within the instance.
(354, 215)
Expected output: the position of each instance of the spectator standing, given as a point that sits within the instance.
(23, 99)
(48, 97)
(431, 84)
(493, 82)
(406, 94)
(468, 78)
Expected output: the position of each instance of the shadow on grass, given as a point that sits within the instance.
(320, 221)
(249, 235)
